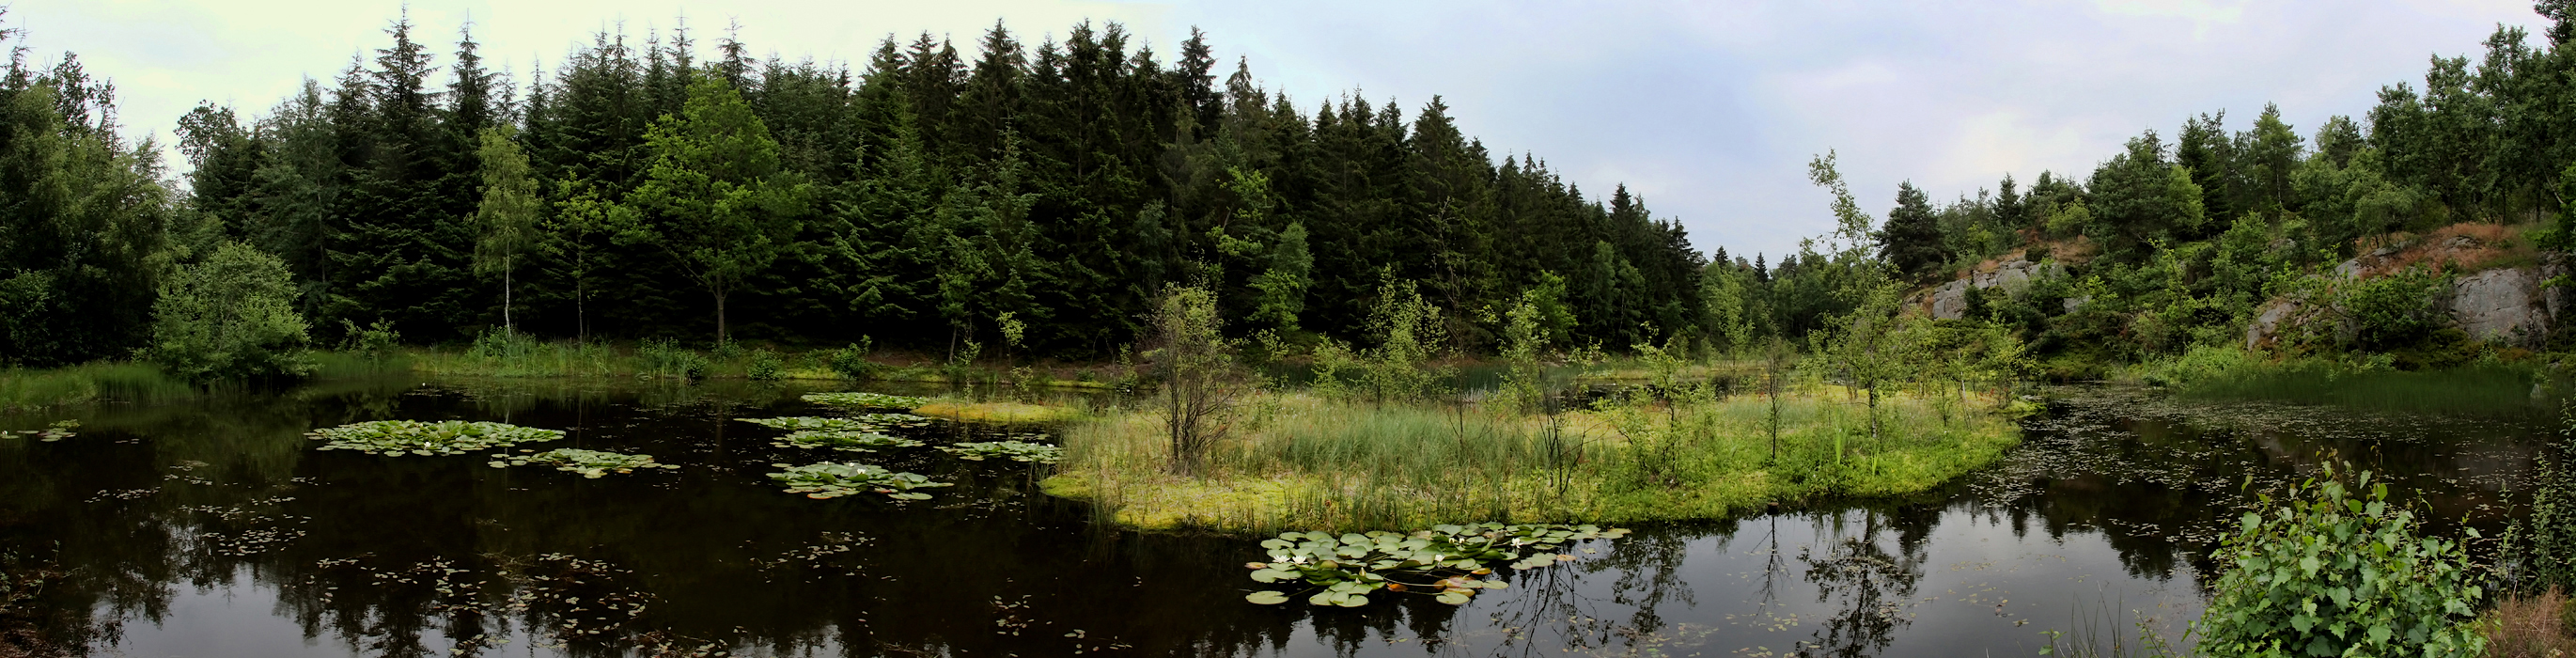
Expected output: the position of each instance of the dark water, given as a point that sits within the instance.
(213, 528)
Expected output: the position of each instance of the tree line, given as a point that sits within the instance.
(925, 199)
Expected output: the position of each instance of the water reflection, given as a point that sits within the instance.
(211, 528)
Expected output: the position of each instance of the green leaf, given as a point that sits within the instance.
(1266, 597)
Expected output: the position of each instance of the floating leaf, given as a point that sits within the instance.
(394, 438)
(1266, 597)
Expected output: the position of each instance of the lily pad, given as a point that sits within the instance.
(834, 480)
(845, 441)
(1266, 597)
(1013, 450)
(859, 423)
(1449, 562)
(588, 463)
(393, 438)
(866, 401)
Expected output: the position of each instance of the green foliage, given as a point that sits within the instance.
(506, 221)
(592, 464)
(852, 362)
(2394, 311)
(1201, 379)
(1409, 333)
(833, 480)
(664, 357)
(231, 317)
(86, 230)
(1020, 451)
(866, 401)
(1911, 242)
(2328, 573)
(764, 366)
(714, 197)
(394, 438)
(2544, 542)
(1443, 562)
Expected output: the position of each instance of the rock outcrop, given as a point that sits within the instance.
(2501, 305)
(1950, 300)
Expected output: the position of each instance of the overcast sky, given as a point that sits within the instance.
(1710, 110)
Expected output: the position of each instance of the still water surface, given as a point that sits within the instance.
(213, 528)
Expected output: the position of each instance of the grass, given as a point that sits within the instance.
(26, 389)
(2531, 626)
(1294, 460)
(2489, 387)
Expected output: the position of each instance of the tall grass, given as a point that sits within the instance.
(1301, 461)
(23, 389)
(2488, 388)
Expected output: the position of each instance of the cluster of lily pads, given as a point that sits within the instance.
(588, 463)
(833, 480)
(61, 429)
(1446, 561)
(855, 400)
(843, 441)
(1013, 450)
(859, 423)
(393, 438)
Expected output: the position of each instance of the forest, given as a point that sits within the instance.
(640, 189)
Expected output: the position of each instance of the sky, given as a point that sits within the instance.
(1710, 110)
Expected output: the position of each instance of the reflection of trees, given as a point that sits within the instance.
(1870, 587)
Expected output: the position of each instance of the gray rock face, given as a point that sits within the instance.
(2504, 305)
(1950, 301)
(2267, 322)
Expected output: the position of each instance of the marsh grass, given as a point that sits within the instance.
(27, 389)
(2531, 626)
(505, 355)
(1300, 461)
(2486, 389)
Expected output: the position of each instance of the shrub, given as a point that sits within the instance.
(665, 357)
(852, 362)
(2330, 574)
(764, 366)
(231, 317)
(2394, 311)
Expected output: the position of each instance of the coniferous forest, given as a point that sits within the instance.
(660, 186)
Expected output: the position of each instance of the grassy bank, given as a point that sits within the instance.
(2493, 387)
(1293, 460)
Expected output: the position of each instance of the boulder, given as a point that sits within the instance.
(2502, 305)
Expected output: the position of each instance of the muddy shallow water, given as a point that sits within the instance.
(214, 528)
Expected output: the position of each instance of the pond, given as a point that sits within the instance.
(215, 527)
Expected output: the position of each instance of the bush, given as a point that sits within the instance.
(764, 366)
(2395, 311)
(231, 317)
(852, 362)
(2328, 574)
(666, 358)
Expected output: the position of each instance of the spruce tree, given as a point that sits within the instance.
(1911, 242)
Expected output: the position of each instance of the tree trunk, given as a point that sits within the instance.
(506, 325)
(720, 319)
